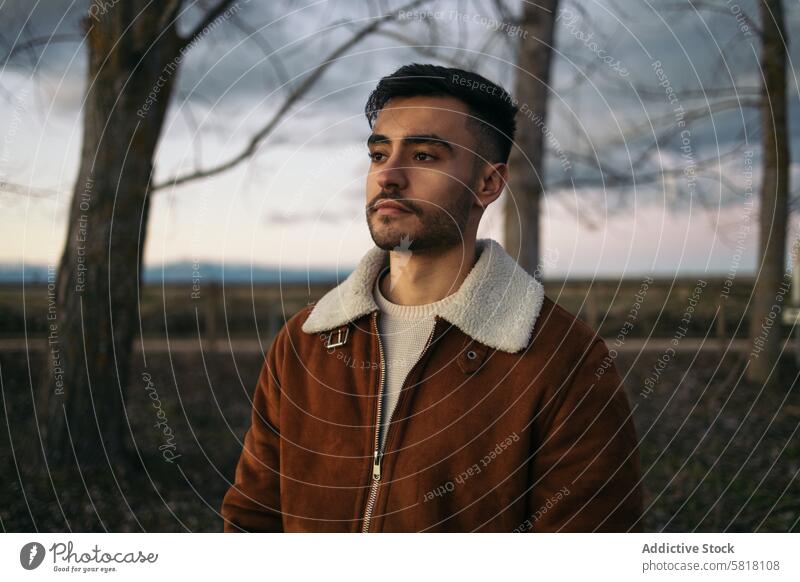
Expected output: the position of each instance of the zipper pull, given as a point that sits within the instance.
(376, 467)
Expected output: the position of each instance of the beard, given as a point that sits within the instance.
(436, 227)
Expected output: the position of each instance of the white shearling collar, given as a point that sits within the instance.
(497, 304)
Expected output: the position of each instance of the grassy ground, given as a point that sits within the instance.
(717, 453)
(208, 414)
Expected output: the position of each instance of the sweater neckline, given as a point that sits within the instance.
(410, 312)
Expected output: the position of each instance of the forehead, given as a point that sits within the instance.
(443, 116)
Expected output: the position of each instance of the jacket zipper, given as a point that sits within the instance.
(377, 457)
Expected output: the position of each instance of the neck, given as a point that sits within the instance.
(417, 278)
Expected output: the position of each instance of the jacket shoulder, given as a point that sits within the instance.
(559, 329)
(293, 326)
(290, 332)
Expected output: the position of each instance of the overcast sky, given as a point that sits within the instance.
(300, 201)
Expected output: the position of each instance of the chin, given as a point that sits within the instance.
(387, 238)
(386, 241)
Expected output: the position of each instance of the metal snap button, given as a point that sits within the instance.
(471, 355)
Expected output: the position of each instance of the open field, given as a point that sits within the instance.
(718, 454)
(243, 311)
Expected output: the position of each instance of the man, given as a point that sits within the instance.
(437, 388)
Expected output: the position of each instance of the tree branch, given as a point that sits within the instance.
(690, 94)
(625, 179)
(690, 116)
(170, 14)
(291, 99)
(48, 40)
(426, 50)
(266, 48)
(210, 17)
(709, 7)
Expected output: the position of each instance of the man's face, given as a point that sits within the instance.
(423, 164)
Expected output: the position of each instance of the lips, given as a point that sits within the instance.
(390, 207)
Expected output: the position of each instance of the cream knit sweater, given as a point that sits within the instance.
(404, 331)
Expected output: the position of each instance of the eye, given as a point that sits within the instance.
(375, 156)
(423, 157)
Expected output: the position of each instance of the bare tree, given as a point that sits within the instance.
(133, 48)
(769, 101)
(773, 214)
(526, 167)
(134, 56)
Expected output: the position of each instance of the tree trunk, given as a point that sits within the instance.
(771, 279)
(132, 67)
(526, 168)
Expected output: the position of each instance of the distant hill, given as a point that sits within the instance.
(185, 271)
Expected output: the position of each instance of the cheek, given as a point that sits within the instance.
(371, 186)
(438, 179)
(440, 183)
(434, 193)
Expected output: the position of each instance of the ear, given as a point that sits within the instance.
(491, 181)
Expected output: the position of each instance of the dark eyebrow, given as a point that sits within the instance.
(427, 138)
(376, 138)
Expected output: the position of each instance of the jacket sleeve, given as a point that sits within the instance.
(252, 503)
(586, 473)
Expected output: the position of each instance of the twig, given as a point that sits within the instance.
(291, 99)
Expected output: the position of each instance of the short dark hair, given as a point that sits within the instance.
(492, 108)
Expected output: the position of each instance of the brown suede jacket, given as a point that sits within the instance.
(513, 419)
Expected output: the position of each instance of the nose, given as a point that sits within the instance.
(392, 175)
